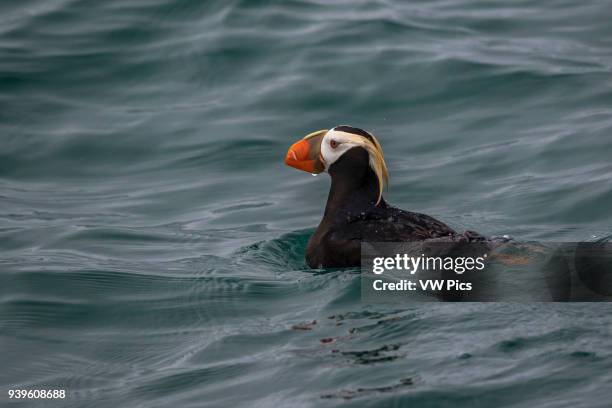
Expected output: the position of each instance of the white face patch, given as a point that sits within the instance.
(335, 144)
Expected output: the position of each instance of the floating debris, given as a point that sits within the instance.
(304, 326)
(359, 392)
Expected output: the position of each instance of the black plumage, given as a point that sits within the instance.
(352, 216)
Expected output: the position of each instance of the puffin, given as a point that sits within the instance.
(356, 210)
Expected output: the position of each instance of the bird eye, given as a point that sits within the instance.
(333, 144)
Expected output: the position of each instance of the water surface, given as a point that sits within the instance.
(151, 238)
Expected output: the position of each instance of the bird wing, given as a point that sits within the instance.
(393, 224)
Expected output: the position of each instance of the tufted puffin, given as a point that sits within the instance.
(356, 210)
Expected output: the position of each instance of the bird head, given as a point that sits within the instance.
(319, 151)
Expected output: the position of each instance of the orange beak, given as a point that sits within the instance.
(305, 154)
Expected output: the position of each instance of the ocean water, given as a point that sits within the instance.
(152, 240)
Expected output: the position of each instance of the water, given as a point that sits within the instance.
(152, 239)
